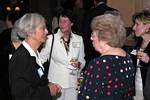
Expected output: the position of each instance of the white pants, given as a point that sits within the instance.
(67, 94)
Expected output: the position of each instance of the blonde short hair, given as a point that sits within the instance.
(143, 16)
(110, 28)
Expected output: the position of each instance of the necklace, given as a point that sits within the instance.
(66, 44)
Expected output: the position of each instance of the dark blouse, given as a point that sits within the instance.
(28, 81)
(108, 77)
(144, 65)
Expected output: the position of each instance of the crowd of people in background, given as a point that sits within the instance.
(85, 54)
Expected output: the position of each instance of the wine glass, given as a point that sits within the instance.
(138, 60)
(74, 66)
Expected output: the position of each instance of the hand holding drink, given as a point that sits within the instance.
(142, 56)
(74, 66)
(75, 63)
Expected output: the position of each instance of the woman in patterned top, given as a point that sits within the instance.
(110, 76)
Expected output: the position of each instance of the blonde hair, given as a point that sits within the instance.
(143, 16)
(110, 28)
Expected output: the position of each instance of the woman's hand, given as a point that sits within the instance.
(54, 88)
(75, 63)
(143, 56)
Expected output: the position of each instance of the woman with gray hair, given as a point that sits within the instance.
(28, 79)
(111, 75)
(16, 40)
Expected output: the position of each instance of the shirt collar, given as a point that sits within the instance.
(28, 47)
(61, 34)
(32, 53)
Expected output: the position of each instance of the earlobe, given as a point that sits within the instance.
(71, 24)
(147, 28)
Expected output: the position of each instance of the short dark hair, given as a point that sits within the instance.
(68, 13)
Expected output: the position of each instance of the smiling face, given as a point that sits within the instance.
(65, 24)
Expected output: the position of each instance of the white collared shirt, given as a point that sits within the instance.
(32, 53)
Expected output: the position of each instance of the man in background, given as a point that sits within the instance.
(5, 51)
(100, 7)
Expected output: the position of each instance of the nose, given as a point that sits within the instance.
(91, 38)
(133, 28)
(46, 31)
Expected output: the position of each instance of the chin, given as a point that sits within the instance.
(43, 40)
(137, 35)
(95, 49)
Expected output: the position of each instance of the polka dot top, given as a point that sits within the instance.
(108, 77)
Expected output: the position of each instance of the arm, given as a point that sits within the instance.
(143, 56)
(45, 51)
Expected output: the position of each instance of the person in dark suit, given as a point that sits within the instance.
(27, 77)
(7, 48)
(100, 7)
(146, 91)
(141, 51)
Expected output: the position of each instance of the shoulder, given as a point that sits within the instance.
(108, 7)
(76, 36)
(21, 51)
(20, 54)
(50, 37)
(20, 58)
(97, 65)
(96, 61)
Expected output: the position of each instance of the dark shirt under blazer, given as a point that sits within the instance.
(144, 65)
(25, 81)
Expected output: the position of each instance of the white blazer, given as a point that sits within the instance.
(59, 71)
